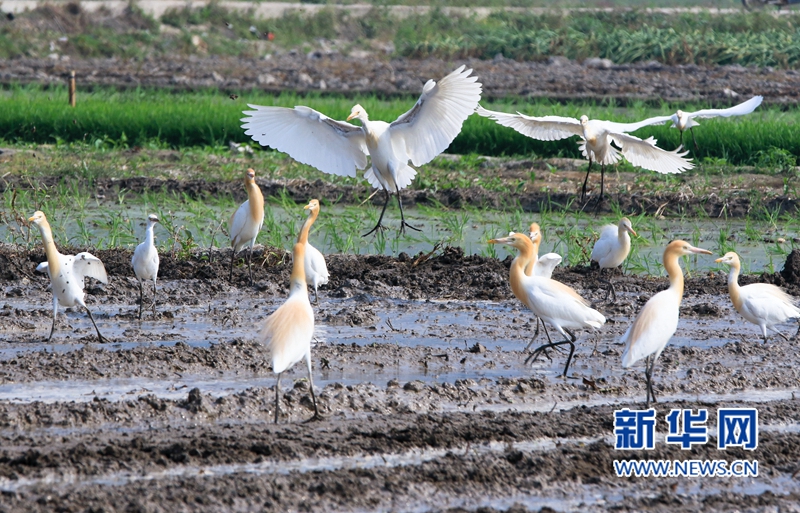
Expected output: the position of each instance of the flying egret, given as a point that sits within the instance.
(67, 273)
(340, 148)
(686, 120)
(287, 332)
(612, 248)
(550, 300)
(657, 321)
(762, 304)
(145, 262)
(540, 266)
(596, 138)
(247, 221)
(315, 268)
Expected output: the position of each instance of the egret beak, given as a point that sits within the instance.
(307, 207)
(30, 219)
(351, 116)
(721, 260)
(633, 232)
(504, 240)
(700, 251)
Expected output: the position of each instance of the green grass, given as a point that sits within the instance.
(107, 118)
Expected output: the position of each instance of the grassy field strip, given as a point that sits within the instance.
(111, 118)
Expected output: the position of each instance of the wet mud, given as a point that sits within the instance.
(420, 377)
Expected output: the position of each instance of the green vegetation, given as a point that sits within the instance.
(153, 118)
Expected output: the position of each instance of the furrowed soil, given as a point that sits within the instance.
(420, 374)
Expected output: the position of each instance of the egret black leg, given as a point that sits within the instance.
(316, 296)
(694, 140)
(650, 363)
(99, 336)
(570, 341)
(602, 181)
(277, 397)
(379, 226)
(250, 263)
(403, 222)
(141, 299)
(233, 256)
(585, 181)
(154, 298)
(317, 415)
(55, 316)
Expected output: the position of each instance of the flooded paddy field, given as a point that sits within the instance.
(420, 374)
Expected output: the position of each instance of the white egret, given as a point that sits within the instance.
(340, 148)
(247, 221)
(657, 321)
(315, 268)
(612, 248)
(550, 300)
(287, 332)
(540, 266)
(763, 304)
(145, 262)
(596, 138)
(67, 273)
(686, 120)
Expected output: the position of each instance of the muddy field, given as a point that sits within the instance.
(419, 371)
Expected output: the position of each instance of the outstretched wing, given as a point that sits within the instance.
(545, 128)
(86, 264)
(645, 153)
(436, 119)
(737, 110)
(626, 128)
(310, 137)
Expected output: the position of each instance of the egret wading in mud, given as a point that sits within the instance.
(287, 332)
(315, 268)
(657, 321)
(612, 248)
(540, 266)
(686, 120)
(67, 273)
(145, 262)
(763, 304)
(247, 221)
(551, 301)
(596, 138)
(340, 148)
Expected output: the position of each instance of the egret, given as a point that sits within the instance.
(686, 120)
(314, 263)
(145, 262)
(657, 321)
(287, 332)
(596, 138)
(550, 300)
(540, 266)
(340, 148)
(67, 273)
(612, 248)
(247, 221)
(762, 304)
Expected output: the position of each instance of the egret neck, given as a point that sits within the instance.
(297, 282)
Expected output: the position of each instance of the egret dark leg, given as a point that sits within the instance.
(602, 181)
(680, 138)
(567, 340)
(233, 256)
(277, 397)
(610, 290)
(154, 297)
(317, 415)
(316, 296)
(250, 263)
(403, 222)
(99, 336)
(694, 140)
(536, 333)
(379, 226)
(141, 299)
(585, 181)
(650, 363)
(55, 315)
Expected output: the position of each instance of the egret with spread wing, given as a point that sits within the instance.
(67, 273)
(340, 148)
(596, 138)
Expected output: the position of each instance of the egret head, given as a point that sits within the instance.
(681, 247)
(38, 218)
(679, 113)
(536, 232)
(516, 240)
(250, 176)
(730, 258)
(625, 224)
(152, 218)
(312, 207)
(584, 120)
(357, 112)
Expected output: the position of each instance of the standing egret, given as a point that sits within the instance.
(612, 248)
(145, 262)
(67, 273)
(550, 300)
(247, 221)
(596, 138)
(287, 332)
(657, 321)
(540, 266)
(762, 304)
(315, 268)
(686, 120)
(340, 148)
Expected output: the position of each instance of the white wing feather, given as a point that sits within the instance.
(645, 153)
(762, 301)
(608, 235)
(310, 137)
(737, 110)
(652, 328)
(545, 264)
(86, 264)
(545, 128)
(436, 119)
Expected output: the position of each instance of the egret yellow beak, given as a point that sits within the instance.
(351, 116)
